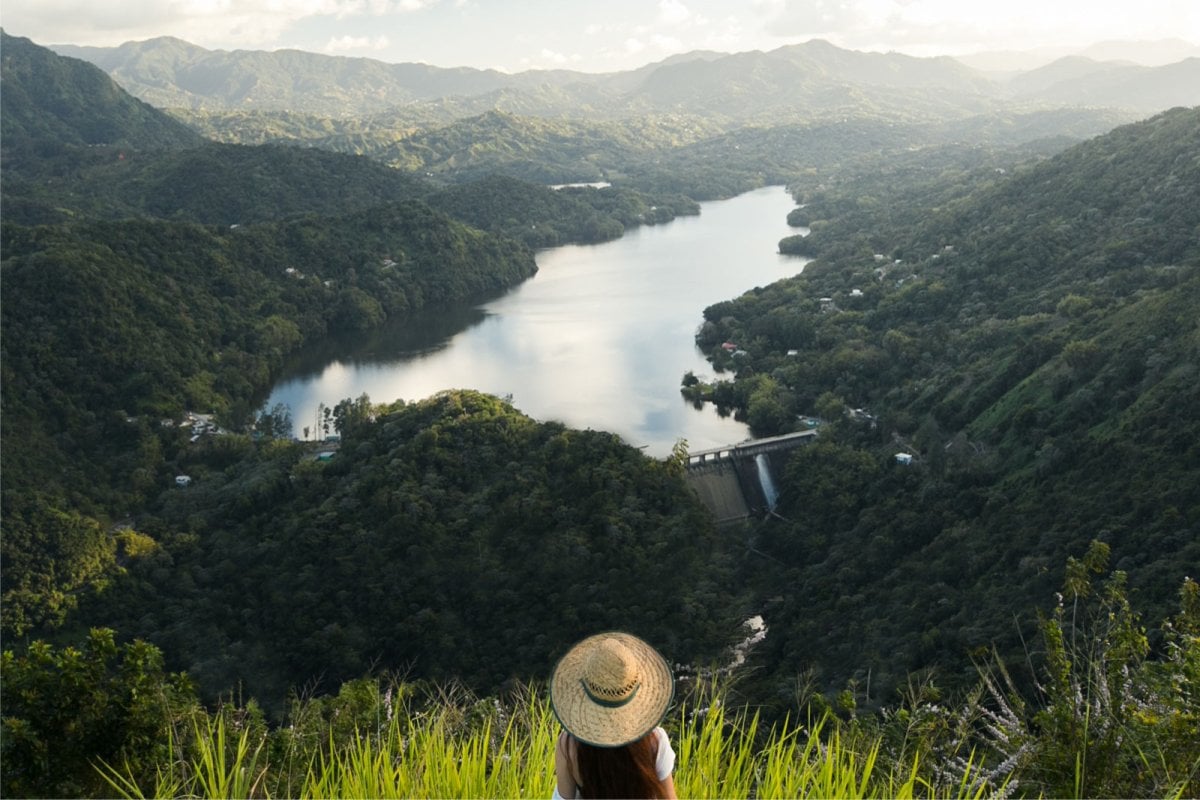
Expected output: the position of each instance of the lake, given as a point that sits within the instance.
(599, 338)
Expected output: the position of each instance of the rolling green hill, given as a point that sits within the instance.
(543, 217)
(169, 72)
(115, 318)
(48, 101)
(1032, 342)
(417, 547)
(707, 125)
(139, 284)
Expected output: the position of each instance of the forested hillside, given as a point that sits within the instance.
(48, 101)
(109, 328)
(543, 217)
(1032, 344)
(708, 125)
(419, 545)
(657, 152)
(140, 284)
(172, 73)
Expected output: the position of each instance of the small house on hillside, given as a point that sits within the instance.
(904, 458)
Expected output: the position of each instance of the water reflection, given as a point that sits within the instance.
(599, 338)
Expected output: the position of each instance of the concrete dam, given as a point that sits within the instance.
(738, 481)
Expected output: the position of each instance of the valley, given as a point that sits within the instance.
(999, 281)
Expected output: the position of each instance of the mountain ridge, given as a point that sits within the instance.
(77, 104)
(1030, 339)
(816, 77)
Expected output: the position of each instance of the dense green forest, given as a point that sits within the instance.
(51, 102)
(125, 318)
(1031, 340)
(145, 279)
(416, 545)
(543, 217)
(660, 153)
(121, 325)
(1017, 314)
(99, 718)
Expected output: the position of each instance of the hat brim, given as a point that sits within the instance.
(604, 726)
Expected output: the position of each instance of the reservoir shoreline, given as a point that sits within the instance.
(598, 338)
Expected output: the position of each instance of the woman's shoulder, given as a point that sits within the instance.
(664, 755)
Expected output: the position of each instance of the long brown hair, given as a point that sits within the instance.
(627, 771)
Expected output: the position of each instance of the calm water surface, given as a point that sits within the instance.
(599, 338)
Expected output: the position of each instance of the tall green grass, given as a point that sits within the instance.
(1107, 721)
(447, 750)
(434, 754)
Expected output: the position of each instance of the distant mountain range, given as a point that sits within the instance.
(1081, 81)
(62, 116)
(806, 81)
(1146, 53)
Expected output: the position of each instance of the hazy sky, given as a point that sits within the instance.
(597, 36)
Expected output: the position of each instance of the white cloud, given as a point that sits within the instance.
(726, 35)
(548, 59)
(599, 29)
(770, 8)
(672, 12)
(356, 44)
(667, 44)
(219, 23)
(552, 57)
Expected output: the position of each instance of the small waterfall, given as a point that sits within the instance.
(765, 481)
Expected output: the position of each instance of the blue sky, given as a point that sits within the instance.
(611, 35)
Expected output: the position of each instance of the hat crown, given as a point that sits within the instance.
(610, 672)
(611, 689)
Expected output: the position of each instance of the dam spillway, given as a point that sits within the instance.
(735, 482)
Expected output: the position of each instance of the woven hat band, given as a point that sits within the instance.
(597, 695)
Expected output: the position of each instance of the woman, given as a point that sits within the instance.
(610, 691)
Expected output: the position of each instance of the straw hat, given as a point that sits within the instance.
(611, 689)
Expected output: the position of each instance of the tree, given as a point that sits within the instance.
(276, 423)
(49, 558)
(768, 412)
(66, 710)
(349, 415)
(830, 406)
